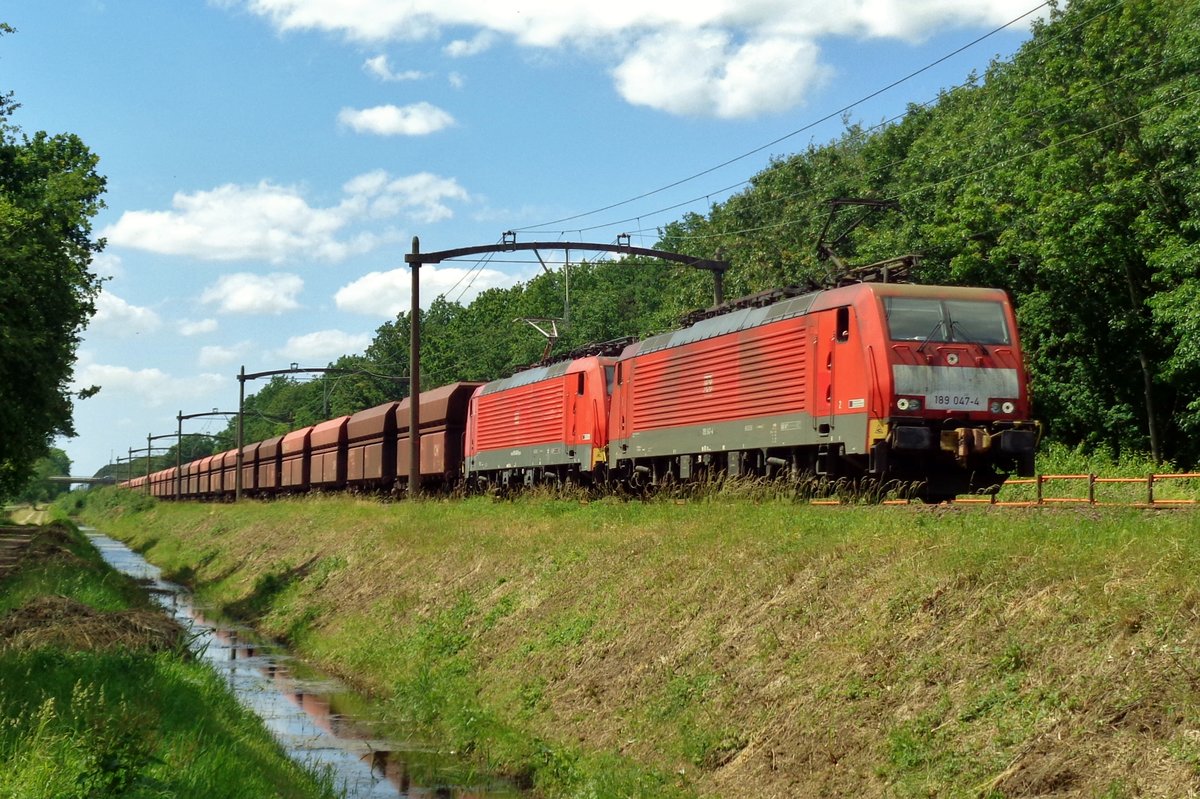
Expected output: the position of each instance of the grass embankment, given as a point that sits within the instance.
(728, 648)
(98, 698)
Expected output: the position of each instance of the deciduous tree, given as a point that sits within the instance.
(49, 192)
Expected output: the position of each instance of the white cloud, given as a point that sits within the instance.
(215, 355)
(550, 23)
(710, 74)
(385, 294)
(751, 36)
(464, 48)
(265, 222)
(153, 387)
(275, 224)
(247, 293)
(456, 80)
(380, 68)
(114, 315)
(423, 196)
(188, 327)
(324, 346)
(419, 119)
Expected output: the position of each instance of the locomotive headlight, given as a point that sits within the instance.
(902, 404)
(995, 406)
(1008, 407)
(906, 404)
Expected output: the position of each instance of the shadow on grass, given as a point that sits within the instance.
(266, 589)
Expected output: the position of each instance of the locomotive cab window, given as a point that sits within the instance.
(610, 374)
(928, 319)
(579, 384)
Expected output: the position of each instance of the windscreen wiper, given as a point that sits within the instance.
(928, 338)
(966, 339)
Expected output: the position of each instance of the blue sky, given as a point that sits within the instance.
(269, 161)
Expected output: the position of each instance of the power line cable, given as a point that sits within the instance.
(963, 175)
(474, 274)
(762, 203)
(463, 275)
(796, 132)
(877, 126)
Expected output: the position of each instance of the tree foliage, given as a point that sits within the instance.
(39, 488)
(49, 192)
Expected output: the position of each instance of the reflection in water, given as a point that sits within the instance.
(316, 720)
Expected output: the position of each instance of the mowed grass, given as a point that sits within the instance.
(88, 710)
(737, 647)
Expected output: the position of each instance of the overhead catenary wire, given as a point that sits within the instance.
(878, 126)
(963, 175)
(472, 273)
(785, 223)
(808, 192)
(793, 133)
(489, 258)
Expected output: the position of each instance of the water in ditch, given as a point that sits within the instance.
(318, 721)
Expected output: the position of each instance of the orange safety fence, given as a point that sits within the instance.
(1147, 491)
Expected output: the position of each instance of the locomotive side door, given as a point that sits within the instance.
(577, 431)
(832, 329)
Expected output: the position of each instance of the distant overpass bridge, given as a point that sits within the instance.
(104, 481)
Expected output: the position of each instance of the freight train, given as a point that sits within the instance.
(900, 384)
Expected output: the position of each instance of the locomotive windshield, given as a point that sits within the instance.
(931, 319)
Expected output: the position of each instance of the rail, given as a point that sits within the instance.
(1151, 491)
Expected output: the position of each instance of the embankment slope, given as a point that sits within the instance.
(734, 648)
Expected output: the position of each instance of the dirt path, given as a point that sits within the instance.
(29, 515)
(15, 540)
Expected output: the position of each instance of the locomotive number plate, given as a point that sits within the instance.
(955, 402)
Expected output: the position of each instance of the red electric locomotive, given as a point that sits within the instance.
(921, 384)
(543, 423)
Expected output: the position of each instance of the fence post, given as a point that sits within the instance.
(1150, 489)
(1039, 488)
(1091, 489)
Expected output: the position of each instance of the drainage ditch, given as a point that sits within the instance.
(317, 720)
